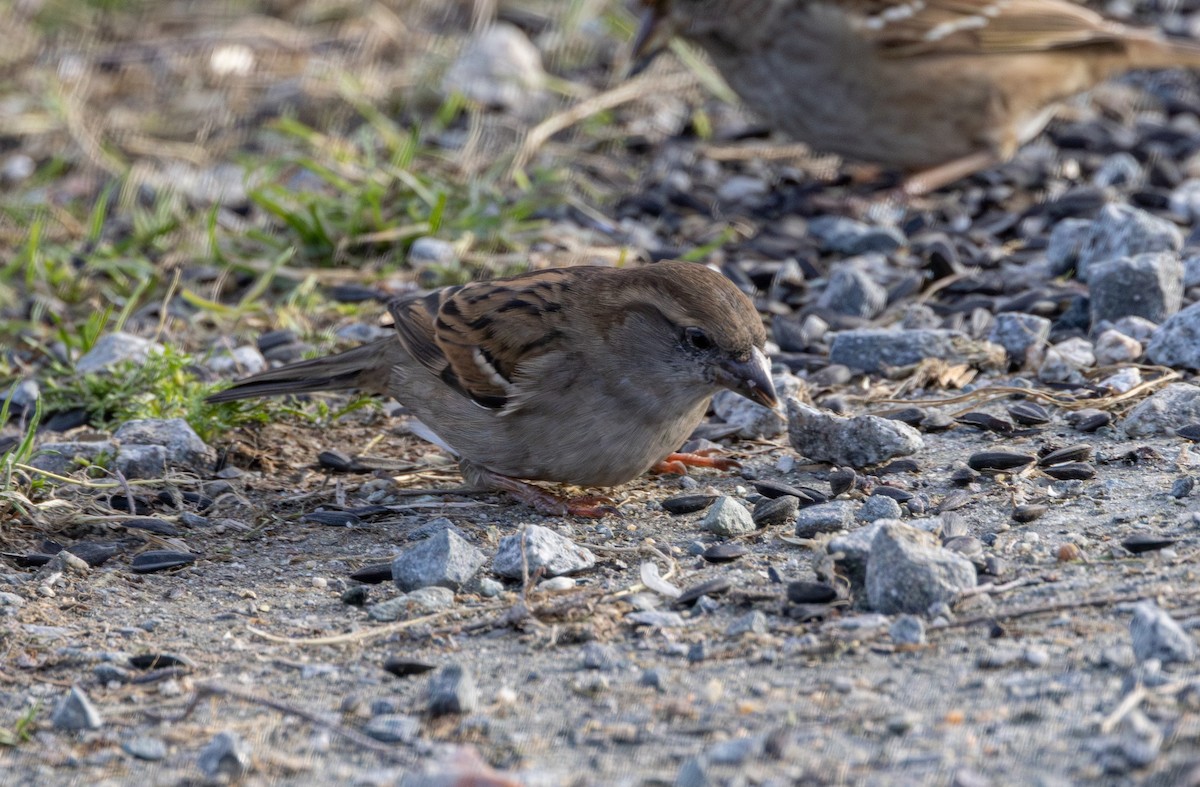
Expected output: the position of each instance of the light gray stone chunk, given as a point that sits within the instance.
(184, 446)
(1124, 231)
(728, 517)
(874, 349)
(543, 548)
(1156, 635)
(445, 559)
(1148, 285)
(908, 572)
(856, 442)
(113, 348)
(75, 712)
(1176, 343)
(1164, 411)
(226, 756)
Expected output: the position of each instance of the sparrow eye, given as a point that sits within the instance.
(697, 339)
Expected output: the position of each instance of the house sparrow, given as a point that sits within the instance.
(584, 375)
(937, 88)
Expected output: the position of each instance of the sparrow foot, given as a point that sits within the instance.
(550, 504)
(679, 463)
(541, 500)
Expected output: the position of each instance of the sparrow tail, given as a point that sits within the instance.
(367, 368)
(1153, 51)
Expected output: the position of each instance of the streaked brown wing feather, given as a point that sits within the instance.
(981, 26)
(477, 336)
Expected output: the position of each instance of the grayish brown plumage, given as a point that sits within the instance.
(585, 375)
(939, 88)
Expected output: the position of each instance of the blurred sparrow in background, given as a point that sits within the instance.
(937, 88)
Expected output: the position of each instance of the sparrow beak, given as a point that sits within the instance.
(751, 378)
(652, 36)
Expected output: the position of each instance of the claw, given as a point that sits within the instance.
(679, 463)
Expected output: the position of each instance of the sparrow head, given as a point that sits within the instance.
(703, 330)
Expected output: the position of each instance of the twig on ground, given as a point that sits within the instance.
(213, 689)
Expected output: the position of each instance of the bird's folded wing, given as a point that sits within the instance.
(904, 28)
(476, 337)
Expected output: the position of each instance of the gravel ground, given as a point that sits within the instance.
(992, 584)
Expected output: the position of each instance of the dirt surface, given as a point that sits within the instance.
(1029, 678)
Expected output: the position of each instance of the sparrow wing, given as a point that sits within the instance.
(910, 27)
(477, 336)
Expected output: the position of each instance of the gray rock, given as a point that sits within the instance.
(1114, 348)
(874, 349)
(543, 549)
(419, 602)
(114, 348)
(1136, 744)
(878, 507)
(741, 188)
(852, 551)
(1185, 200)
(500, 68)
(363, 332)
(452, 690)
(17, 167)
(111, 673)
(145, 748)
(1066, 241)
(1066, 361)
(907, 630)
(693, 773)
(728, 517)
(654, 618)
(1018, 333)
(1163, 412)
(489, 588)
(1138, 328)
(142, 461)
(226, 756)
(445, 559)
(1156, 635)
(736, 751)
(852, 291)
(426, 251)
(64, 458)
(23, 395)
(1148, 285)
(753, 622)
(908, 572)
(394, 728)
(1191, 271)
(842, 235)
(1125, 231)
(920, 316)
(1140, 740)
(601, 657)
(184, 446)
(1176, 343)
(75, 712)
(241, 361)
(856, 442)
(825, 518)
(11, 600)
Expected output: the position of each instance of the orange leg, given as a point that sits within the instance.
(679, 463)
(935, 178)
